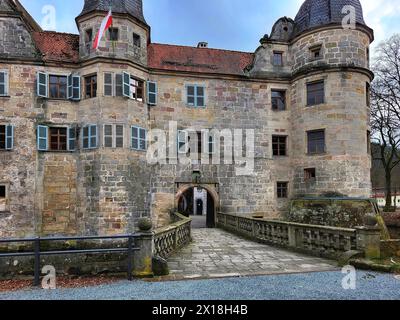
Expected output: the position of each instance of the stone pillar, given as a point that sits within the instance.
(369, 241)
(292, 237)
(142, 259)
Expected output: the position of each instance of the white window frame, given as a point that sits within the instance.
(114, 135)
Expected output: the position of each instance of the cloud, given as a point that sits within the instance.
(377, 13)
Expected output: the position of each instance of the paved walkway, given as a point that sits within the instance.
(216, 253)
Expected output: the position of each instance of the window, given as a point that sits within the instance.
(279, 146)
(113, 136)
(113, 34)
(152, 93)
(316, 52)
(56, 138)
(112, 84)
(136, 89)
(91, 86)
(3, 83)
(196, 142)
(278, 58)
(195, 95)
(139, 139)
(6, 137)
(89, 137)
(282, 190)
(315, 93)
(278, 100)
(118, 85)
(136, 40)
(89, 36)
(58, 87)
(3, 198)
(316, 141)
(368, 94)
(132, 88)
(310, 174)
(108, 84)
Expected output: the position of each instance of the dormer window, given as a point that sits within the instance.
(113, 34)
(316, 52)
(136, 40)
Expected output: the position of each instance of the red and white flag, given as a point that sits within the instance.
(107, 22)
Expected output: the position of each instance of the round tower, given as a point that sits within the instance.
(329, 95)
(126, 39)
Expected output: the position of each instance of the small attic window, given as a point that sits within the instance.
(113, 34)
(88, 35)
(136, 40)
(286, 29)
(316, 52)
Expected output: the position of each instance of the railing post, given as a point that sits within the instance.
(292, 236)
(176, 238)
(37, 262)
(130, 247)
(369, 241)
(143, 258)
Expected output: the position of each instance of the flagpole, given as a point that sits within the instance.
(112, 26)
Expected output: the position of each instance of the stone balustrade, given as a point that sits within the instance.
(173, 237)
(321, 241)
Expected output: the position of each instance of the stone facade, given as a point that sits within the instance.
(105, 190)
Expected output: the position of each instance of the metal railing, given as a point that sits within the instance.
(37, 253)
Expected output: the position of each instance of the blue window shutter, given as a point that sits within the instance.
(152, 93)
(93, 137)
(42, 138)
(191, 95)
(69, 91)
(42, 85)
(9, 137)
(85, 137)
(200, 96)
(126, 84)
(135, 138)
(71, 139)
(76, 88)
(142, 139)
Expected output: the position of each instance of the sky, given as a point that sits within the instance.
(224, 24)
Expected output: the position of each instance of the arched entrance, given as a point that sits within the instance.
(199, 203)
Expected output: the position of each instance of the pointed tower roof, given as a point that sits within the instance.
(131, 7)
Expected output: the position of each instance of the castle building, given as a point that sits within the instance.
(75, 122)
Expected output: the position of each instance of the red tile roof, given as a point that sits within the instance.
(55, 46)
(203, 60)
(64, 47)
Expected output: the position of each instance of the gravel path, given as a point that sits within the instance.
(322, 285)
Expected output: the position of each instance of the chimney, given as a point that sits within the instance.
(202, 45)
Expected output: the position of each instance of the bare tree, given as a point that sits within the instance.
(385, 109)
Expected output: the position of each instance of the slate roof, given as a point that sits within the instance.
(132, 7)
(315, 13)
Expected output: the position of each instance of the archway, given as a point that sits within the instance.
(200, 203)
